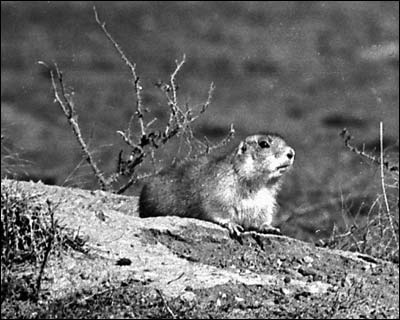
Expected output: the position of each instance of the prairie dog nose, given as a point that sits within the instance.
(290, 153)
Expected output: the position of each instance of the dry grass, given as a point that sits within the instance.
(29, 236)
(11, 161)
(377, 232)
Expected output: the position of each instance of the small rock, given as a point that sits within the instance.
(124, 262)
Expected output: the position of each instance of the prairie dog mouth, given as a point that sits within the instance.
(283, 167)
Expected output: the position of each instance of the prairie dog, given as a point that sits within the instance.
(237, 190)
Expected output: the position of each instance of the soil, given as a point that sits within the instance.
(171, 267)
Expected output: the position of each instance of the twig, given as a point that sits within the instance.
(175, 112)
(347, 137)
(69, 111)
(223, 142)
(125, 187)
(50, 241)
(383, 186)
(165, 304)
(207, 103)
(173, 76)
(126, 138)
(177, 278)
(67, 179)
(369, 223)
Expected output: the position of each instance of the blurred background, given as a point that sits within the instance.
(303, 69)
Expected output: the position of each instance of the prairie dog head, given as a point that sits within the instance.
(266, 156)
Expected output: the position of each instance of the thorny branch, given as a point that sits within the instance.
(347, 137)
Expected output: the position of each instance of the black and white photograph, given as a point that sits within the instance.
(199, 159)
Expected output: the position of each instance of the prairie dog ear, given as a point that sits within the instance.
(242, 148)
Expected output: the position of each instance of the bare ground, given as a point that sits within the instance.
(171, 267)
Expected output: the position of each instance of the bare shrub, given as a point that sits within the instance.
(142, 145)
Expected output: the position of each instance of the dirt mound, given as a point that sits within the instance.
(176, 267)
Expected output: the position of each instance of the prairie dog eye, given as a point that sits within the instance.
(264, 144)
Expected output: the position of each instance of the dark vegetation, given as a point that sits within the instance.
(306, 70)
(29, 235)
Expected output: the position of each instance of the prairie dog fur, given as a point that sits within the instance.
(237, 190)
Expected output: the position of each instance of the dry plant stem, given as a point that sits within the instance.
(69, 112)
(139, 108)
(132, 67)
(125, 187)
(67, 179)
(172, 314)
(173, 76)
(176, 112)
(207, 103)
(383, 186)
(369, 223)
(362, 153)
(50, 241)
(134, 179)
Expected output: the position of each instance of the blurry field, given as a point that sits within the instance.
(303, 69)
